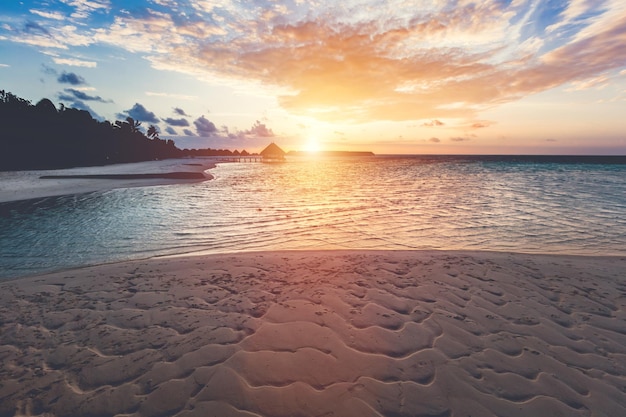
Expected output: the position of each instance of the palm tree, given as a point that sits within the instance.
(134, 124)
(130, 125)
(153, 132)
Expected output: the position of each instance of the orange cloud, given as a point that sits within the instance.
(356, 61)
(347, 72)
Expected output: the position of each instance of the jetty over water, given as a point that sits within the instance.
(271, 154)
(243, 158)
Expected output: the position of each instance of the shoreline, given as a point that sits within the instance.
(200, 254)
(28, 185)
(354, 332)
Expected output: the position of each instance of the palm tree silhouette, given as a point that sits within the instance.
(153, 132)
(130, 125)
(134, 124)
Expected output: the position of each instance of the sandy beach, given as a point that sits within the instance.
(24, 185)
(343, 333)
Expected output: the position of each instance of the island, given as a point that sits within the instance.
(332, 153)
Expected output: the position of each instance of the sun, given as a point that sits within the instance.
(312, 144)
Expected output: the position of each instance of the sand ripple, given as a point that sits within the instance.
(319, 334)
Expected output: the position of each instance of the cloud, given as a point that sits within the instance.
(31, 27)
(204, 127)
(342, 61)
(433, 123)
(139, 112)
(71, 78)
(327, 63)
(80, 95)
(459, 139)
(255, 136)
(85, 8)
(51, 30)
(180, 111)
(434, 140)
(576, 12)
(75, 62)
(480, 125)
(47, 14)
(259, 129)
(171, 130)
(176, 122)
(599, 82)
(171, 95)
(4, 65)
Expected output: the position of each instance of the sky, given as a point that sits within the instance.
(416, 77)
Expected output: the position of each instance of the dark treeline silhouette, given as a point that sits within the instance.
(42, 137)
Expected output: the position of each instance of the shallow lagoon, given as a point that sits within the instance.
(385, 202)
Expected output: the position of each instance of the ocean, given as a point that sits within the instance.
(554, 205)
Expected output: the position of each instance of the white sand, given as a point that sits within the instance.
(24, 185)
(351, 333)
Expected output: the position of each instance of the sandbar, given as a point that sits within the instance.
(25, 185)
(319, 333)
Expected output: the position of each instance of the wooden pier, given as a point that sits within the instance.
(271, 154)
(241, 158)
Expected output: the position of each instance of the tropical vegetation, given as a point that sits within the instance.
(41, 136)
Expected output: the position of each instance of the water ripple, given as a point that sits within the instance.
(374, 203)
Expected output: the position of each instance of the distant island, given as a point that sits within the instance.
(41, 136)
(332, 153)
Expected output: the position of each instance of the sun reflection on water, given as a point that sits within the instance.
(328, 203)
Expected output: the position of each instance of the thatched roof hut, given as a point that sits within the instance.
(273, 153)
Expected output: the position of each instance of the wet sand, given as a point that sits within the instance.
(314, 333)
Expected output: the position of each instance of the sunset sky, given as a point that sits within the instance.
(390, 76)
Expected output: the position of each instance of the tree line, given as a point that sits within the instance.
(41, 136)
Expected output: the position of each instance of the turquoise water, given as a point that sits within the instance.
(478, 203)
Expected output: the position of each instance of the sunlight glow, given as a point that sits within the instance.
(415, 77)
(312, 144)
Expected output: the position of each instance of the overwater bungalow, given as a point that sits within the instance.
(273, 153)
